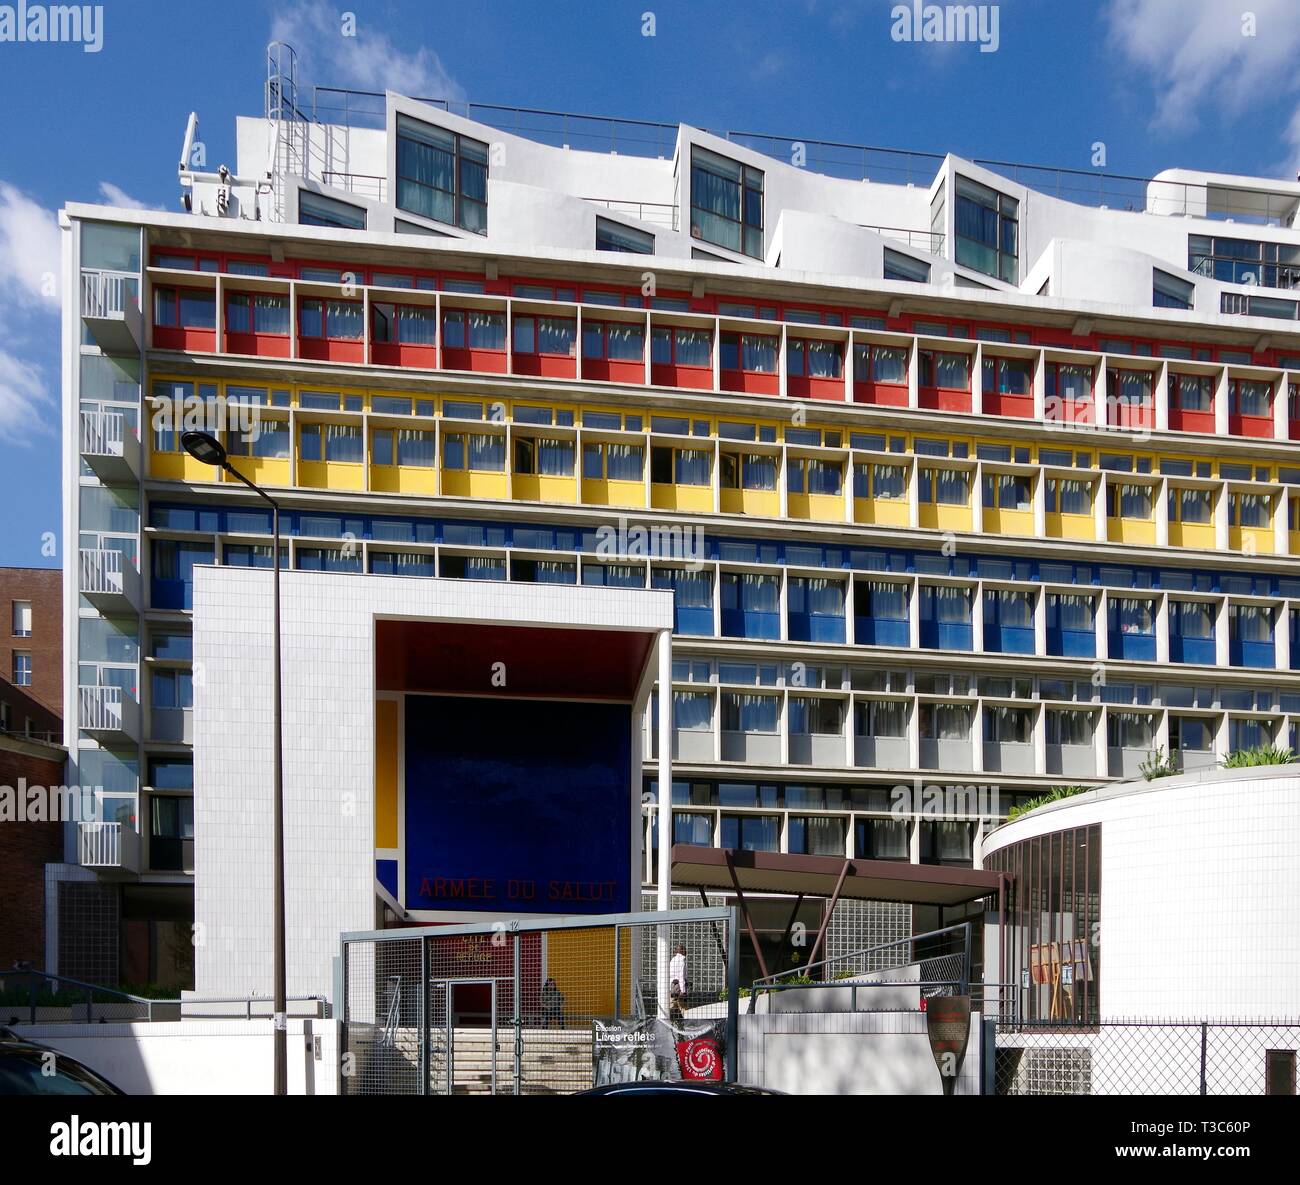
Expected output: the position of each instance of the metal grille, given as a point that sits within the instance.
(545, 1007)
(1128, 1058)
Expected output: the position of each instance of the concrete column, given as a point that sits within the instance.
(665, 812)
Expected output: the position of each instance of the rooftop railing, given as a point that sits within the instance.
(856, 162)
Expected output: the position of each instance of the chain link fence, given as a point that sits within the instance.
(538, 1007)
(1143, 1057)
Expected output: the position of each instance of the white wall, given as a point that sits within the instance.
(198, 1056)
(1199, 893)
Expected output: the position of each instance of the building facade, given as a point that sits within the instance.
(955, 482)
(31, 666)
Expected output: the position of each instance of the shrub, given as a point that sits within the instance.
(1158, 764)
(1054, 795)
(1260, 755)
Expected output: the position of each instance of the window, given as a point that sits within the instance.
(749, 713)
(1169, 292)
(614, 236)
(747, 471)
(22, 619)
(1250, 510)
(464, 330)
(22, 668)
(1008, 376)
(899, 266)
(682, 466)
(402, 446)
(246, 313)
(544, 456)
(408, 325)
(816, 359)
(441, 175)
(945, 487)
(811, 476)
(948, 371)
(880, 364)
(184, 308)
(681, 347)
(315, 209)
(1192, 392)
(1250, 398)
(1190, 506)
(544, 335)
(987, 230)
(1129, 501)
(615, 462)
(340, 319)
(1243, 261)
(751, 352)
(726, 203)
(173, 689)
(1008, 491)
(1279, 1071)
(1068, 496)
(331, 442)
(478, 452)
(616, 341)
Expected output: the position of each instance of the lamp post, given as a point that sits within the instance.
(209, 450)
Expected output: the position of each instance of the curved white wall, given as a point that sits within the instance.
(1200, 892)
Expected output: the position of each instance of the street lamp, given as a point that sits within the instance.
(210, 451)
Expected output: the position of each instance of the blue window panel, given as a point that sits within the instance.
(386, 875)
(172, 585)
(743, 623)
(946, 635)
(1071, 643)
(1136, 647)
(815, 611)
(814, 627)
(871, 631)
(1250, 654)
(1197, 650)
(1008, 639)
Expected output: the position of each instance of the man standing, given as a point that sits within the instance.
(677, 984)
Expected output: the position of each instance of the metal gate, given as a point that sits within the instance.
(538, 1007)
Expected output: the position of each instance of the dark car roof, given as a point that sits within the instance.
(14, 1046)
(660, 1087)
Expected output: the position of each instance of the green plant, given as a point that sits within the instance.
(1158, 764)
(740, 995)
(1054, 795)
(1260, 755)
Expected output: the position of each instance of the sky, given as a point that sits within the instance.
(1202, 84)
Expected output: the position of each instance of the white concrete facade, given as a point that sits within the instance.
(328, 631)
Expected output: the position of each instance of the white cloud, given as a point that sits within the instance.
(29, 250)
(29, 269)
(119, 197)
(368, 60)
(22, 392)
(1200, 55)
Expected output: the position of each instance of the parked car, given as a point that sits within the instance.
(23, 1070)
(652, 1089)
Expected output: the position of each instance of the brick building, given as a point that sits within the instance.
(31, 636)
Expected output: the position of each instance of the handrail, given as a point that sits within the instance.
(870, 950)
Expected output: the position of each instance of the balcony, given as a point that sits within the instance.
(1008, 757)
(109, 848)
(109, 447)
(173, 726)
(108, 713)
(109, 580)
(881, 752)
(1077, 761)
(820, 749)
(111, 310)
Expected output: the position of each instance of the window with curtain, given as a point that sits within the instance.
(1192, 392)
(555, 457)
(946, 722)
(400, 563)
(691, 467)
(1067, 495)
(441, 175)
(1132, 615)
(486, 452)
(343, 442)
(415, 447)
(1131, 386)
(817, 835)
(1193, 619)
(693, 347)
(1069, 382)
(824, 477)
(1130, 730)
(1191, 506)
(750, 713)
(1251, 623)
(1129, 501)
(1068, 727)
(889, 481)
(1007, 725)
(1251, 398)
(1009, 376)
(726, 202)
(1073, 612)
(886, 600)
(624, 343)
(948, 371)
(1012, 610)
(951, 605)
(1008, 491)
(625, 462)
(946, 841)
(759, 593)
(486, 331)
(751, 833)
(889, 364)
(881, 839)
(758, 472)
(416, 326)
(987, 225)
(945, 487)
(881, 718)
(613, 575)
(1252, 510)
(692, 711)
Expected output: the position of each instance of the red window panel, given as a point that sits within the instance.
(880, 374)
(945, 380)
(474, 339)
(1250, 408)
(613, 351)
(185, 319)
(814, 369)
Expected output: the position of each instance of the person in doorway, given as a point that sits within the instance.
(677, 984)
(552, 1005)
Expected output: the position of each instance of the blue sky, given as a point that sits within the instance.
(1159, 82)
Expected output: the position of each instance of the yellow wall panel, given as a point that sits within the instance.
(463, 483)
(404, 479)
(332, 475)
(582, 964)
(1141, 532)
(1254, 540)
(936, 517)
(602, 492)
(764, 503)
(1191, 535)
(885, 512)
(269, 471)
(678, 497)
(825, 508)
(535, 487)
(386, 773)
(1071, 526)
(1009, 522)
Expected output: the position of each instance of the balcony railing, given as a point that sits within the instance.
(101, 572)
(105, 294)
(101, 708)
(103, 433)
(109, 846)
